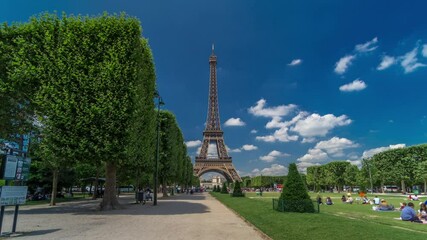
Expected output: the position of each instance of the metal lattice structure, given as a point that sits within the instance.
(213, 138)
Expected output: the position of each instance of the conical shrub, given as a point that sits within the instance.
(294, 197)
(224, 188)
(237, 190)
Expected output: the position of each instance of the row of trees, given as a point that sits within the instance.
(402, 166)
(262, 181)
(85, 87)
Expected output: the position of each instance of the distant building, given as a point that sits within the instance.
(215, 181)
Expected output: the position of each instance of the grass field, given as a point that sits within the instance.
(338, 221)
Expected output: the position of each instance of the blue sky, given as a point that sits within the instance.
(299, 81)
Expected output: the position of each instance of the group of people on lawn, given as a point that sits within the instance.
(408, 212)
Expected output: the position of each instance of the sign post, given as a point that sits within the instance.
(13, 168)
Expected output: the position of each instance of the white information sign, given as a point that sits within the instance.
(13, 195)
(10, 168)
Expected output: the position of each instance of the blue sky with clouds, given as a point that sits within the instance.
(299, 81)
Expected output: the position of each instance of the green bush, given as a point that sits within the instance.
(224, 188)
(237, 191)
(294, 197)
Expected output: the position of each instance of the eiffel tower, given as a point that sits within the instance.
(213, 156)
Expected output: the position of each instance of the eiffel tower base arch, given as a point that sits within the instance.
(226, 169)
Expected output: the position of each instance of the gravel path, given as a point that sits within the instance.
(197, 216)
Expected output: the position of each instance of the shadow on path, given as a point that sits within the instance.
(35, 233)
(172, 205)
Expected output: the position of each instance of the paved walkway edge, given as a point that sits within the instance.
(261, 233)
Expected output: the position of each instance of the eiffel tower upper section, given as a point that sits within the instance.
(213, 132)
(213, 123)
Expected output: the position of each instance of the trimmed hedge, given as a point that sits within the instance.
(302, 206)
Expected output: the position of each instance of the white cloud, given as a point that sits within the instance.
(371, 152)
(295, 62)
(280, 135)
(260, 110)
(314, 156)
(356, 85)
(368, 46)
(237, 150)
(254, 131)
(302, 166)
(324, 151)
(276, 122)
(212, 151)
(234, 122)
(267, 158)
(273, 155)
(410, 61)
(316, 125)
(268, 138)
(357, 163)
(424, 52)
(342, 65)
(195, 143)
(308, 140)
(335, 146)
(386, 62)
(273, 170)
(248, 147)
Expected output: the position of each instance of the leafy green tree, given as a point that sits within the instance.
(294, 196)
(421, 173)
(313, 177)
(350, 175)
(88, 75)
(17, 97)
(170, 146)
(335, 173)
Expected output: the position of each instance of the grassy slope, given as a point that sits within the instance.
(339, 221)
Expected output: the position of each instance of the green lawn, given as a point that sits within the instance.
(339, 221)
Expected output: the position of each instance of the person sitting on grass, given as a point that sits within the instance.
(384, 206)
(422, 213)
(319, 199)
(415, 198)
(365, 200)
(329, 201)
(402, 206)
(343, 199)
(377, 200)
(349, 200)
(409, 214)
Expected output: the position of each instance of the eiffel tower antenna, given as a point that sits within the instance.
(213, 156)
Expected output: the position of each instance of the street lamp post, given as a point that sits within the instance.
(156, 169)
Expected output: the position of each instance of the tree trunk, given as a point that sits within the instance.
(95, 191)
(54, 187)
(164, 190)
(173, 189)
(402, 185)
(109, 201)
(425, 186)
